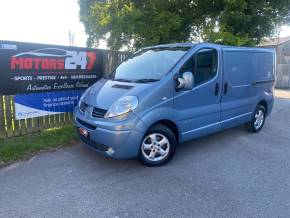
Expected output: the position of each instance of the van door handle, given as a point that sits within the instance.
(226, 88)
(216, 89)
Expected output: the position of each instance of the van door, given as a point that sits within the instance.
(238, 95)
(198, 110)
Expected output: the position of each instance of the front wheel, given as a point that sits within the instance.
(258, 120)
(158, 146)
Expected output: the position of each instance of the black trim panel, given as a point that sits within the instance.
(263, 81)
(93, 144)
(85, 124)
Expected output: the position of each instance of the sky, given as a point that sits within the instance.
(41, 21)
(47, 21)
(285, 31)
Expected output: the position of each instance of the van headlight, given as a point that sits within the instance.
(122, 106)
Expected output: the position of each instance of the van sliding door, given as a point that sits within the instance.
(238, 95)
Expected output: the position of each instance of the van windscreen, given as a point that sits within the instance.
(148, 65)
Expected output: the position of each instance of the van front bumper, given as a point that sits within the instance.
(110, 137)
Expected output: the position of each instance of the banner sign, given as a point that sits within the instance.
(42, 104)
(32, 68)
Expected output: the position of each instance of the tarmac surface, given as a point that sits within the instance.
(229, 174)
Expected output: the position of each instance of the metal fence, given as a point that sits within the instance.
(9, 127)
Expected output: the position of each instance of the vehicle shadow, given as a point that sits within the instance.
(210, 143)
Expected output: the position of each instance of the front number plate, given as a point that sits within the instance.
(84, 132)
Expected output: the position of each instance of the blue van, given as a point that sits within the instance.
(168, 94)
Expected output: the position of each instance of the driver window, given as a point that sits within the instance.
(203, 66)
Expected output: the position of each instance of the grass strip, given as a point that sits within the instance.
(22, 147)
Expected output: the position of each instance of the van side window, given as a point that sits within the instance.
(203, 66)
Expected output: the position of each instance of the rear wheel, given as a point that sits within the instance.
(158, 146)
(258, 120)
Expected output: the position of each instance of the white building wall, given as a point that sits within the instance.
(283, 65)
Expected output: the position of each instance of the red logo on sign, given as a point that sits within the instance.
(53, 59)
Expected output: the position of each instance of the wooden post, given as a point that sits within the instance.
(8, 116)
(2, 121)
(29, 125)
(23, 128)
(16, 123)
(46, 121)
(35, 124)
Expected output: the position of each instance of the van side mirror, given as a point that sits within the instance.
(185, 82)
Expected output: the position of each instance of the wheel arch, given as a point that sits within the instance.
(169, 124)
(265, 105)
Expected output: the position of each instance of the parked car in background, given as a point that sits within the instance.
(168, 94)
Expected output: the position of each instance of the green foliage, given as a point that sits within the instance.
(20, 147)
(139, 23)
(247, 22)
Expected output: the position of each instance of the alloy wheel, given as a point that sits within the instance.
(155, 147)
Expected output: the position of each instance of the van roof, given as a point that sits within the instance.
(173, 45)
(225, 47)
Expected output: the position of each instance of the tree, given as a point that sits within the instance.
(247, 22)
(139, 23)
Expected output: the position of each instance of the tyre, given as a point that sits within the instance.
(158, 146)
(258, 120)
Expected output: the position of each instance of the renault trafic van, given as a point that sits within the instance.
(169, 94)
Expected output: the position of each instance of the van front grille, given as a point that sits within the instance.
(83, 106)
(99, 113)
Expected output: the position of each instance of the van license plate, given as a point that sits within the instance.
(84, 132)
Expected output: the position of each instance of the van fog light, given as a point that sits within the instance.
(110, 151)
